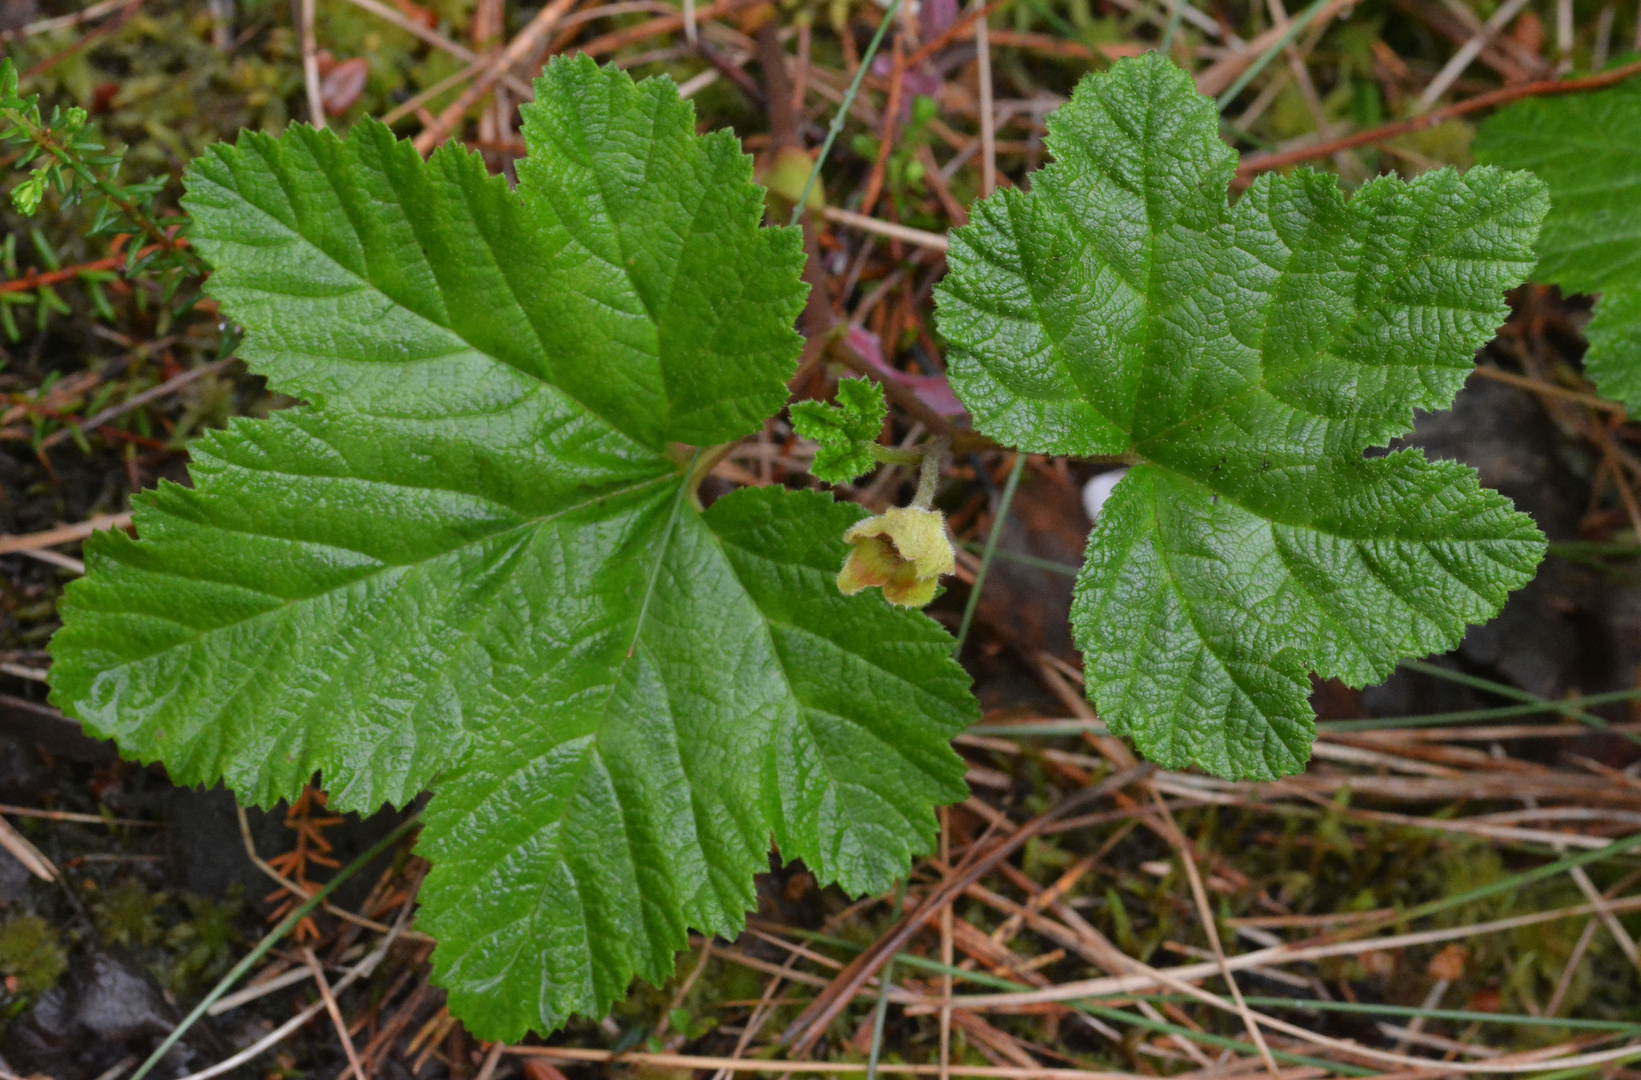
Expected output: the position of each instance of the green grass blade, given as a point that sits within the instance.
(992, 537)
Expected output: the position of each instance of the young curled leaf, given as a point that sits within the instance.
(845, 432)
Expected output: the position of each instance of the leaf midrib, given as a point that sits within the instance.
(285, 603)
(296, 236)
(1260, 385)
(594, 735)
(1265, 374)
(1225, 663)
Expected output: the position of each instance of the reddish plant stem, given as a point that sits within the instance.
(665, 24)
(84, 43)
(1259, 163)
(952, 32)
(891, 113)
(32, 280)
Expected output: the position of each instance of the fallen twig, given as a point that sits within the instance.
(136, 401)
(812, 1023)
(665, 24)
(524, 43)
(337, 1020)
(1279, 954)
(920, 237)
(63, 534)
(690, 1061)
(32, 280)
(26, 853)
(439, 41)
(63, 22)
(359, 971)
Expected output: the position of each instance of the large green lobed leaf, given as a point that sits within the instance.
(1243, 357)
(1587, 148)
(472, 562)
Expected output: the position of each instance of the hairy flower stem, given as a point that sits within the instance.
(890, 455)
(928, 475)
(927, 458)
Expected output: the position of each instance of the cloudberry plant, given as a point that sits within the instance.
(473, 561)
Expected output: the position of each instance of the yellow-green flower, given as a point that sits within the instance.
(904, 551)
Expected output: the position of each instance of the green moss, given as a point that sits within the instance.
(128, 915)
(184, 952)
(200, 949)
(30, 953)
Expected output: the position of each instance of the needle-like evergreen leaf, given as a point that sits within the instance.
(1587, 148)
(472, 560)
(1243, 357)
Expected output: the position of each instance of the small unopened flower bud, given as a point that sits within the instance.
(27, 195)
(904, 551)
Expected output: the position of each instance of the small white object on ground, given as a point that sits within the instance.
(1097, 490)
